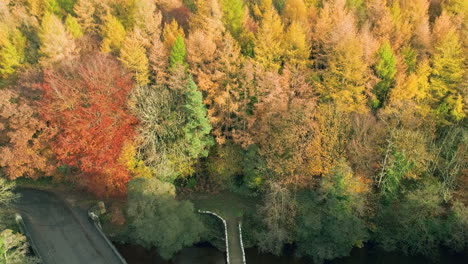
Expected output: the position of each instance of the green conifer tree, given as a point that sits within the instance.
(178, 53)
(385, 70)
(197, 129)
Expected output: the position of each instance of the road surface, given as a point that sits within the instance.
(62, 234)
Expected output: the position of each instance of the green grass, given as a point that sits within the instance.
(40, 183)
(226, 204)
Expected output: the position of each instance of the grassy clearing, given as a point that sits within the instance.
(226, 204)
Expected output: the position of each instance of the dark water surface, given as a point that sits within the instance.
(206, 254)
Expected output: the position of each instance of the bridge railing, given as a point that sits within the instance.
(225, 231)
(95, 218)
(241, 243)
(24, 229)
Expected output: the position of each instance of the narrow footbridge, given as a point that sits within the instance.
(233, 236)
(59, 233)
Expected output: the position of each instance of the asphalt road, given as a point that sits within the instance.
(62, 234)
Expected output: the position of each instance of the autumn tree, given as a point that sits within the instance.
(84, 10)
(328, 144)
(90, 112)
(133, 56)
(214, 59)
(269, 39)
(113, 34)
(284, 102)
(147, 18)
(178, 54)
(12, 55)
(385, 70)
(73, 27)
(233, 16)
(296, 46)
(14, 248)
(339, 58)
(171, 32)
(448, 71)
(56, 43)
(295, 10)
(24, 145)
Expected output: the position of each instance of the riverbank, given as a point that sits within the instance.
(204, 253)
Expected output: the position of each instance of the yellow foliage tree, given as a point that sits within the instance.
(12, 44)
(448, 69)
(170, 34)
(133, 56)
(136, 167)
(329, 141)
(84, 10)
(56, 43)
(295, 10)
(296, 46)
(269, 40)
(113, 34)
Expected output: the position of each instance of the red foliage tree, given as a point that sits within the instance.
(86, 100)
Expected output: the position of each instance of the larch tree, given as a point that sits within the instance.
(448, 69)
(84, 10)
(214, 59)
(233, 16)
(158, 62)
(147, 18)
(269, 40)
(385, 69)
(329, 141)
(113, 34)
(171, 32)
(339, 58)
(12, 44)
(208, 17)
(73, 27)
(295, 10)
(133, 56)
(56, 43)
(87, 101)
(296, 46)
(178, 54)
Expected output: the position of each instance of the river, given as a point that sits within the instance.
(206, 254)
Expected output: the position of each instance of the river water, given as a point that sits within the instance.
(206, 254)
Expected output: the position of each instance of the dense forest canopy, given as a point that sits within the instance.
(347, 118)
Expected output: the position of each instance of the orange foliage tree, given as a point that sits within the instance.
(86, 100)
(23, 135)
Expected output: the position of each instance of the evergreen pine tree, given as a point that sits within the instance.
(197, 129)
